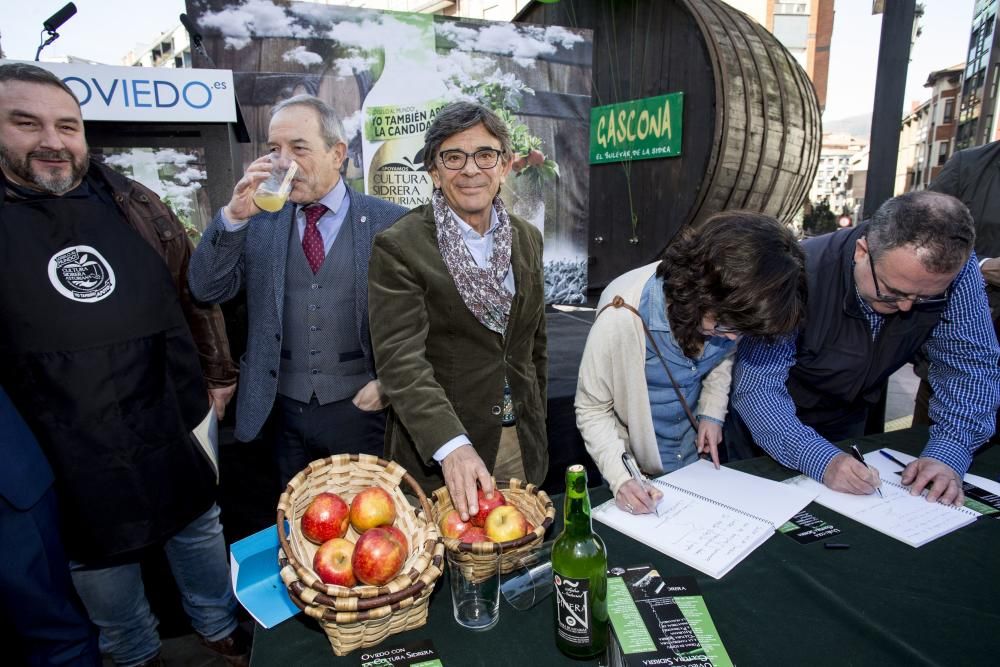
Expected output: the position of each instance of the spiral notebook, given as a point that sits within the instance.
(909, 519)
(710, 519)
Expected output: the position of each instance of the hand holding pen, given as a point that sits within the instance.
(637, 495)
(876, 479)
(848, 473)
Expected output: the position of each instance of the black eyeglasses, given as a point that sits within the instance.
(722, 330)
(892, 298)
(455, 159)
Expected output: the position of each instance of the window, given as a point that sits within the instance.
(942, 153)
(949, 110)
(791, 8)
(792, 31)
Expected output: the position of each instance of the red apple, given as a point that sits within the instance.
(535, 157)
(486, 505)
(326, 517)
(371, 508)
(506, 523)
(474, 534)
(451, 524)
(332, 562)
(398, 534)
(378, 556)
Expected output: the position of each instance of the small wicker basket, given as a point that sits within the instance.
(364, 615)
(536, 506)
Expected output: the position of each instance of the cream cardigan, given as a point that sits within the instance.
(612, 401)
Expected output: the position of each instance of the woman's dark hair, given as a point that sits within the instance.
(744, 268)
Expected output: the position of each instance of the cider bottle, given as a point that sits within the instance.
(580, 575)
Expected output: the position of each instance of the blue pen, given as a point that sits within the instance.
(892, 458)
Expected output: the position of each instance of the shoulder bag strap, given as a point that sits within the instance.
(618, 302)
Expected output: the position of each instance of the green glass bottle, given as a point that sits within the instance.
(580, 575)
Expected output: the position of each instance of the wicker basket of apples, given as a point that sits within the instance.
(355, 555)
(512, 522)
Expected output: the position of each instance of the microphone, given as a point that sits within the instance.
(53, 22)
(192, 30)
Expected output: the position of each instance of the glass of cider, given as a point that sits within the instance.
(272, 194)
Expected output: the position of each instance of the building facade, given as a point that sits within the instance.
(912, 159)
(170, 49)
(977, 117)
(832, 183)
(927, 133)
(945, 87)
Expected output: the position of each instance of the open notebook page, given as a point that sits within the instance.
(910, 519)
(771, 501)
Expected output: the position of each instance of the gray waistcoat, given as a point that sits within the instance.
(320, 351)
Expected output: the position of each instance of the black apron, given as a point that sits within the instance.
(100, 361)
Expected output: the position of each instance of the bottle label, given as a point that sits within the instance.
(573, 622)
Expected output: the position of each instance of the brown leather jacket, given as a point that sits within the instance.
(159, 227)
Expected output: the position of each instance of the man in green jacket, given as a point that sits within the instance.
(458, 320)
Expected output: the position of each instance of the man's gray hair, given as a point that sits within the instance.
(936, 224)
(330, 127)
(458, 116)
(27, 73)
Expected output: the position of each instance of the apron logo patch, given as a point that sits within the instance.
(80, 273)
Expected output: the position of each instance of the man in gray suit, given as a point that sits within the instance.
(305, 269)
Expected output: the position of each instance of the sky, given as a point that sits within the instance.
(101, 30)
(854, 53)
(105, 30)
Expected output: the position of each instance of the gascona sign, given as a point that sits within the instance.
(637, 130)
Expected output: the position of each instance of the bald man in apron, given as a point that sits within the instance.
(99, 356)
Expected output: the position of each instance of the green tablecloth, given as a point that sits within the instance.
(880, 602)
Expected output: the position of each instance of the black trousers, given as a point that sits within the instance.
(309, 431)
(37, 598)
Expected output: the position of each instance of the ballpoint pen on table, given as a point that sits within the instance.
(857, 455)
(633, 469)
(892, 458)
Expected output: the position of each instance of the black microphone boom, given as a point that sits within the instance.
(53, 22)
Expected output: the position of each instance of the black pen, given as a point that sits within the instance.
(892, 458)
(857, 455)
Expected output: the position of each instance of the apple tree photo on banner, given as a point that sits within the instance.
(387, 74)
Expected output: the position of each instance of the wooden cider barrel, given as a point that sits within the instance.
(751, 121)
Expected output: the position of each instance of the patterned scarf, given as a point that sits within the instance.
(482, 290)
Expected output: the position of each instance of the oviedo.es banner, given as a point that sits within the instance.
(138, 94)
